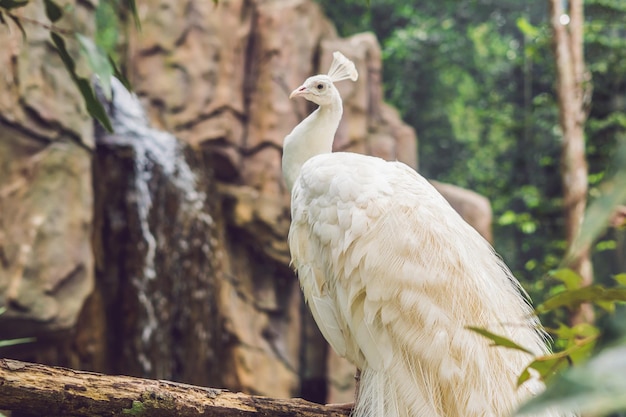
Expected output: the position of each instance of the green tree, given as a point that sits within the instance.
(476, 80)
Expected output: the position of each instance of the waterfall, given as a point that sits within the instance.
(157, 225)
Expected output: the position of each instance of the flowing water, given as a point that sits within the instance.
(158, 226)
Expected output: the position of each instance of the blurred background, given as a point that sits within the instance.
(160, 250)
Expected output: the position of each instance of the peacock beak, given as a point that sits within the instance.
(300, 91)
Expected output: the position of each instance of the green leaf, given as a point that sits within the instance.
(601, 210)
(133, 9)
(604, 245)
(108, 26)
(597, 387)
(11, 342)
(573, 298)
(524, 376)
(498, 340)
(620, 278)
(507, 218)
(527, 28)
(98, 62)
(13, 4)
(607, 306)
(53, 11)
(549, 365)
(574, 333)
(94, 107)
(119, 74)
(18, 24)
(63, 54)
(584, 330)
(568, 277)
(137, 409)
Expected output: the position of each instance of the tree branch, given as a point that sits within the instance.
(53, 391)
(50, 27)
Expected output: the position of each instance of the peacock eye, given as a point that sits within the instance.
(320, 86)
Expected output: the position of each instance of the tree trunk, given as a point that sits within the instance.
(39, 390)
(571, 94)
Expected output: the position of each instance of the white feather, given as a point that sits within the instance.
(393, 275)
(342, 68)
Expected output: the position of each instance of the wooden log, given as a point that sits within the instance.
(42, 390)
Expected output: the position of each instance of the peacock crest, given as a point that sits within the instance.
(342, 68)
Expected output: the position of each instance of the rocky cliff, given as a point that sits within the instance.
(46, 197)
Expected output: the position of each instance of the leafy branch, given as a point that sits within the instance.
(101, 64)
(597, 383)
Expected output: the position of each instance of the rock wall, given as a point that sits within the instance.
(186, 237)
(46, 199)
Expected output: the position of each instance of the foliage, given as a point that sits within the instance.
(498, 340)
(137, 409)
(101, 63)
(476, 81)
(597, 386)
(462, 73)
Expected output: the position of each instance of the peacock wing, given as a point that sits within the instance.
(350, 239)
(393, 276)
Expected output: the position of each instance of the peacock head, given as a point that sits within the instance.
(320, 89)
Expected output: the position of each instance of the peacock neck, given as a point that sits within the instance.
(313, 136)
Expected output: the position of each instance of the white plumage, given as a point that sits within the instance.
(393, 275)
